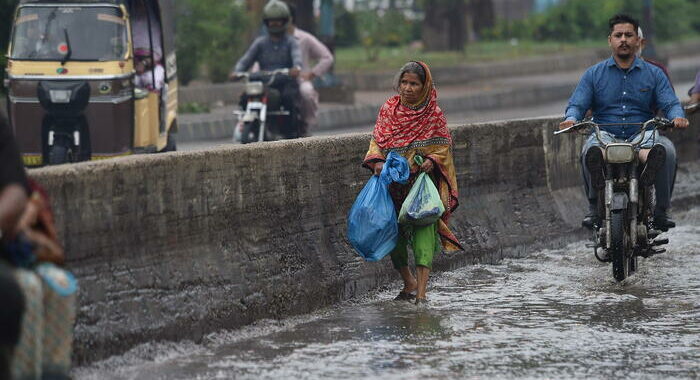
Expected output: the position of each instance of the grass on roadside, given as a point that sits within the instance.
(353, 59)
(193, 108)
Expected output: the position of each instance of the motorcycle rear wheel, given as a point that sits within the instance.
(61, 152)
(622, 262)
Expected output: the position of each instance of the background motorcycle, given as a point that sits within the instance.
(627, 232)
(263, 117)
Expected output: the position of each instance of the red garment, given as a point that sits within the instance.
(399, 125)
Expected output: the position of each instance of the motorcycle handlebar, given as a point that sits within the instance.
(259, 75)
(657, 123)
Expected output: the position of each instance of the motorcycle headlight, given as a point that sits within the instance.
(254, 88)
(619, 153)
(60, 96)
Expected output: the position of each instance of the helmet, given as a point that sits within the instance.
(276, 10)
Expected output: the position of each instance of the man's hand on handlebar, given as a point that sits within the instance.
(234, 76)
(566, 124)
(680, 122)
(294, 72)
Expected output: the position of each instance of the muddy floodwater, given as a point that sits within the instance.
(556, 314)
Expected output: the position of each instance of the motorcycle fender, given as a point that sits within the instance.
(619, 202)
(250, 116)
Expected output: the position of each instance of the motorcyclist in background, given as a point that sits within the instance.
(276, 50)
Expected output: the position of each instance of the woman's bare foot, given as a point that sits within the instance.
(410, 284)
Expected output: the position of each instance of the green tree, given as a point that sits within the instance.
(346, 33)
(444, 25)
(577, 20)
(209, 37)
(7, 9)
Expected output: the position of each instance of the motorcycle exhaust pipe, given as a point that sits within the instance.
(608, 206)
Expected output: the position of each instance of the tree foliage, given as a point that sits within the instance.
(577, 20)
(382, 29)
(7, 9)
(210, 37)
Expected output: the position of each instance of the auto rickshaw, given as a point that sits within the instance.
(92, 79)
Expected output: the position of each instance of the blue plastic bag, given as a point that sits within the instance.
(372, 226)
(423, 205)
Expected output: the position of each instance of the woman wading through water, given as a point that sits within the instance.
(411, 123)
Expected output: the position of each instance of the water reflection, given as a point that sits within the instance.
(556, 314)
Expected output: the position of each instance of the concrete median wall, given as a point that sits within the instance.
(177, 245)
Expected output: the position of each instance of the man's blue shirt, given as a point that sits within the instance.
(623, 96)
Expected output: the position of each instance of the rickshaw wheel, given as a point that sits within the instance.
(171, 145)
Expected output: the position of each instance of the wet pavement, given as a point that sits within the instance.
(556, 314)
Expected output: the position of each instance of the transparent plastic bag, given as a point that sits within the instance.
(423, 205)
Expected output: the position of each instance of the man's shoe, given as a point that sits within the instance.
(655, 161)
(591, 220)
(663, 223)
(595, 164)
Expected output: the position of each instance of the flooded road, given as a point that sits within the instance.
(557, 314)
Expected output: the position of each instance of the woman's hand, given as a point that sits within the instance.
(378, 166)
(427, 166)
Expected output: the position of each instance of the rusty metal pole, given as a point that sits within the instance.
(254, 10)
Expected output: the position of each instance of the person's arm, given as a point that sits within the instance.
(248, 58)
(13, 200)
(297, 62)
(374, 159)
(667, 101)
(13, 182)
(320, 52)
(695, 91)
(160, 77)
(580, 101)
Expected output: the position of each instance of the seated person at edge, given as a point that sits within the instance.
(14, 193)
(625, 89)
(277, 50)
(411, 124)
(694, 91)
(147, 71)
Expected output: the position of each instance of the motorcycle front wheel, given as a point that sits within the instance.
(619, 246)
(250, 131)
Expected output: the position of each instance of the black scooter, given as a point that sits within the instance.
(65, 133)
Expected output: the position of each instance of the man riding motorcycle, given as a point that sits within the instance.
(277, 50)
(625, 89)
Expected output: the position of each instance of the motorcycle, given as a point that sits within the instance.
(263, 117)
(627, 231)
